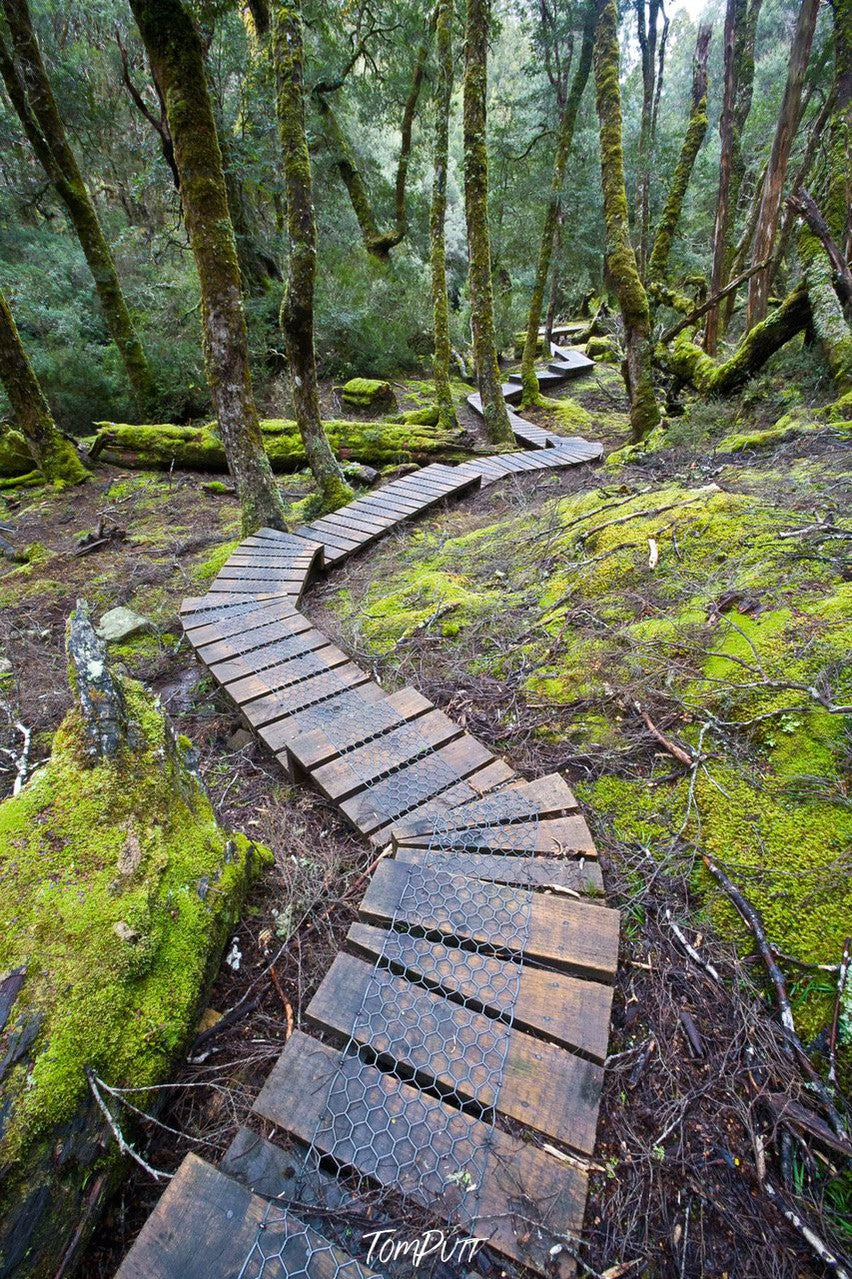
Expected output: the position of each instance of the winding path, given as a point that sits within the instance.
(464, 1026)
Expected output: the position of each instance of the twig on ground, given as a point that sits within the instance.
(842, 976)
(825, 1254)
(679, 753)
(123, 1145)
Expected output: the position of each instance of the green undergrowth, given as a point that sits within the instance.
(117, 891)
(690, 601)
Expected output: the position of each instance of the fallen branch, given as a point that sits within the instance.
(690, 949)
(711, 302)
(123, 1145)
(700, 496)
(672, 747)
(842, 976)
(822, 1250)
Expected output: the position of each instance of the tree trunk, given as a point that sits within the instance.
(688, 362)
(803, 203)
(29, 91)
(785, 133)
(551, 217)
(740, 30)
(695, 133)
(438, 213)
(297, 308)
(53, 454)
(621, 259)
(648, 34)
(497, 425)
(830, 324)
(177, 60)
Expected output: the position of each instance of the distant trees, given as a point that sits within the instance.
(53, 454)
(494, 411)
(177, 60)
(30, 93)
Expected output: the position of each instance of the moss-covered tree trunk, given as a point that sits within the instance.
(782, 144)
(31, 95)
(652, 62)
(54, 456)
(696, 130)
(438, 213)
(494, 412)
(621, 259)
(297, 308)
(177, 60)
(740, 30)
(565, 137)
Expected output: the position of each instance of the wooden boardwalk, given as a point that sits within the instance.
(454, 1068)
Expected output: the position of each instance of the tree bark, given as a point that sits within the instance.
(785, 133)
(437, 216)
(31, 95)
(621, 259)
(688, 362)
(803, 203)
(740, 30)
(297, 308)
(53, 454)
(652, 80)
(551, 217)
(695, 133)
(496, 417)
(177, 61)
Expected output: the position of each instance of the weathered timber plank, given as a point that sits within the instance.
(258, 659)
(570, 934)
(535, 872)
(286, 673)
(214, 649)
(519, 1182)
(321, 745)
(364, 765)
(325, 714)
(206, 1224)
(531, 800)
(299, 696)
(567, 1010)
(540, 1085)
(557, 836)
(493, 776)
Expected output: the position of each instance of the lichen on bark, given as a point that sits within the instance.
(621, 259)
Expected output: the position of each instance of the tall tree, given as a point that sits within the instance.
(620, 256)
(438, 212)
(28, 86)
(696, 130)
(53, 454)
(494, 412)
(782, 144)
(652, 46)
(741, 18)
(565, 137)
(297, 308)
(177, 61)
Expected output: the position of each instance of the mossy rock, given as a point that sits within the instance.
(520, 340)
(602, 349)
(118, 891)
(786, 428)
(427, 416)
(367, 392)
(15, 457)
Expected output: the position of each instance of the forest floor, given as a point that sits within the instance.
(539, 614)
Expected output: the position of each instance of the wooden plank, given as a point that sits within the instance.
(558, 836)
(535, 872)
(279, 736)
(388, 501)
(206, 1224)
(336, 540)
(321, 745)
(211, 624)
(468, 1055)
(545, 797)
(269, 654)
(283, 674)
(220, 650)
(516, 1178)
(363, 766)
(246, 590)
(572, 935)
(220, 608)
(568, 1010)
(415, 784)
(297, 697)
(249, 572)
(494, 775)
(353, 518)
(275, 1171)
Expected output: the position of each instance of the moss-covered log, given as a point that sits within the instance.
(200, 449)
(438, 213)
(118, 891)
(297, 307)
(53, 454)
(177, 61)
(829, 321)
(621, 259)
(696, 130)
(689, 363)
(494, 412)
(564, 139)
(29, 89)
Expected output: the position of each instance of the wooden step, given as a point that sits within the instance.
(582, 877)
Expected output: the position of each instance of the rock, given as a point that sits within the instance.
(359, 473)
(602, 349)
(5, 668)
(99, 698)
(365, 392)
(239, 740)
(125, 933)
(120, 623)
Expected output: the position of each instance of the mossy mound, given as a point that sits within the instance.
(603, 349)
(367, 392)
(15, 457)
(726, 631)
(199, 448)
(117, 893)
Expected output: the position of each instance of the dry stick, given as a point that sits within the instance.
(672, 747)
(123, 1145)
(821, 1249)
(701, 496)
(842, 975)
(690, 319)
(690, 949)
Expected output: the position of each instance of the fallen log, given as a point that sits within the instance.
(198, 448)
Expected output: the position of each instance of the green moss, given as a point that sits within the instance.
(786, 428)
(603, 349)
(366, 391)
(204, 572)
(427, 416)
(87, 854)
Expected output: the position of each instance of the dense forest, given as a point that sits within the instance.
(258, 261)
